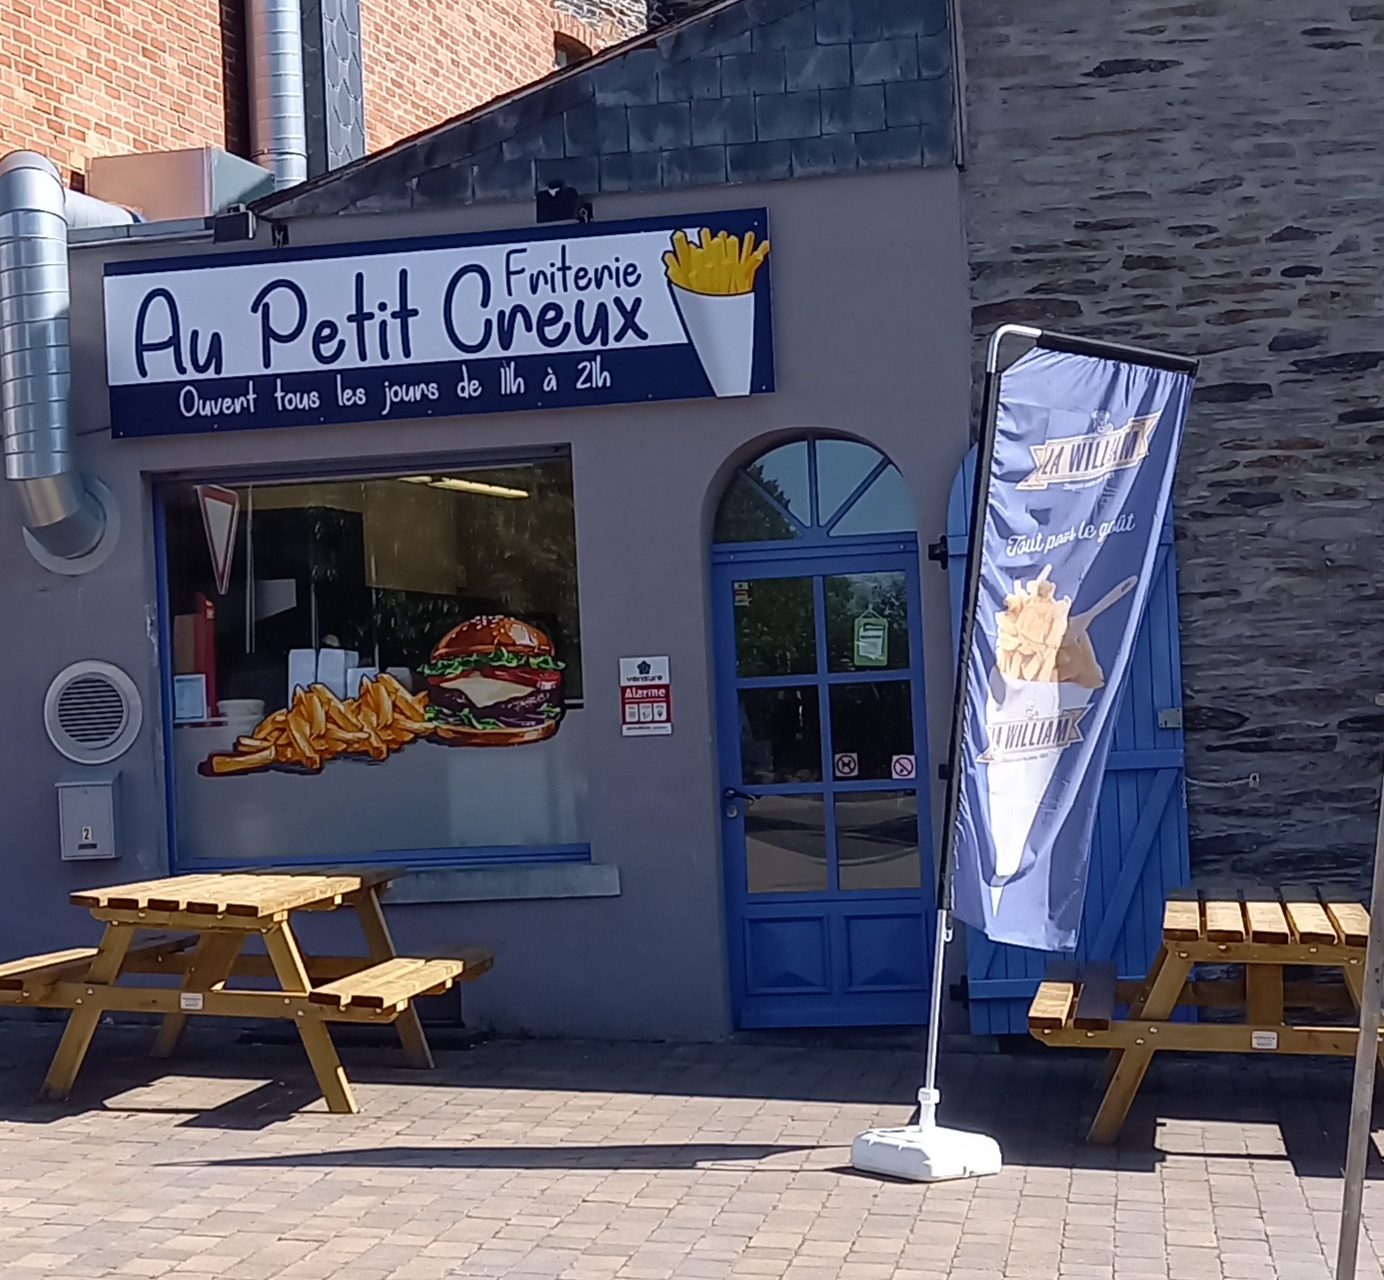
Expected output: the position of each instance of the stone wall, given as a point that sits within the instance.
(1207, 177)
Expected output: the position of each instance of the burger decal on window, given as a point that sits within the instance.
(493, 681)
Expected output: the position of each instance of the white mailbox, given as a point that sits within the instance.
(87, 813)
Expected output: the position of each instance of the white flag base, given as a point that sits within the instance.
(924, 1152)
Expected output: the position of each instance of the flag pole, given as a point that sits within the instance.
(1366, 1049)
(980, 490)
(923, 1151)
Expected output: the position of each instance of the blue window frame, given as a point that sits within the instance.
(270, 820)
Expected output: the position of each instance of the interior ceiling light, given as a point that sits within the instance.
(467, 486)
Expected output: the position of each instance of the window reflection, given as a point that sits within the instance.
(884, 507)
(842, 466)
(775, 630)
(758, 497)
(874, 722)
(782, 473)
(780, 736)
(746, 515)
(867, 622)
(785, 845)
(877, 840)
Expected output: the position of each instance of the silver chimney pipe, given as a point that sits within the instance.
(59, 511)
(279, 140)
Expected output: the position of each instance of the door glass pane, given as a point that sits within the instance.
(746, 515)
(872, 729)
(877, 839)
(841, 466)
(782, 472)
(775, 627)
(780, 736)
(884, 507)
(867, 622)
(785, 845)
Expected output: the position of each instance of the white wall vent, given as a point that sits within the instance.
(92, 712)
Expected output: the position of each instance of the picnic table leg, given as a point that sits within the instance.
(1136, 1010)
(317, 1039)
(210, 966)
(81, 1024)
(1355, 984)
(1168, 975)
(1264, 995)
(380, 945)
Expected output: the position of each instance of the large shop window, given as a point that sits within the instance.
(376, 667)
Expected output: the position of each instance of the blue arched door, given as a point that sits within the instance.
(822, 740)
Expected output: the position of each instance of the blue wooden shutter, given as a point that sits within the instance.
(1139, 850)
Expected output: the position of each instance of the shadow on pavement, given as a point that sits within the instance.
(1037, 1103)
(608, 1156)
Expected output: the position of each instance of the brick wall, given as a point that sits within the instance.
(1206, 177)
(82, 78)
(429, 60)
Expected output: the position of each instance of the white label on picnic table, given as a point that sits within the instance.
(1263, 1039)
(190, 1001)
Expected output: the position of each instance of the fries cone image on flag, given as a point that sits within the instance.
(712, 279)
(1045, 676)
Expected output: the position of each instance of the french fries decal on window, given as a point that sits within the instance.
(715, 265)
(319, 726)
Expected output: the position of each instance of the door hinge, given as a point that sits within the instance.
(1170, 718)
(944, 772)
(938, 552)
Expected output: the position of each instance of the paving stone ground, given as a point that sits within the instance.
(641, 1162)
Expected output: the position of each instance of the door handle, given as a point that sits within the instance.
(732, 798)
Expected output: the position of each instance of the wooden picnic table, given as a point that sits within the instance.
(1260, 931)
(195, 927)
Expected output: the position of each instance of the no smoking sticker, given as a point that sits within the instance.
(846, 764)
(903, 767)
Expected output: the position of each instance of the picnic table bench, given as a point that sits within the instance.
(1262, 932)
(195, 928)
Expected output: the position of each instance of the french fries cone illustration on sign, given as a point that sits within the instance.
(712, 279)
(1045, 676)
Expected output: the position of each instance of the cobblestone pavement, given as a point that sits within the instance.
(585, 1160)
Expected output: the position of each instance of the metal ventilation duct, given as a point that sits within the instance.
(59, 511)
(274, 31)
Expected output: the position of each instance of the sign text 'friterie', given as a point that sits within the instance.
(668, 308)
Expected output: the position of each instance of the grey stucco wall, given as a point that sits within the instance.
(1205, 177)
(871, 334)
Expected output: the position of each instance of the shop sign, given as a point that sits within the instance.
(646, 708)
(543, 318)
